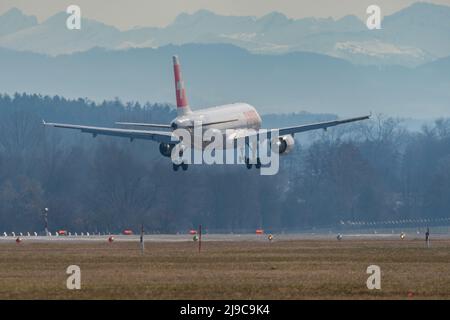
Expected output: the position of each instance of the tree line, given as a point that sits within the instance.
(370, 171)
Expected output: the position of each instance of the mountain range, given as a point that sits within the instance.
(412, 36)
(223, 73)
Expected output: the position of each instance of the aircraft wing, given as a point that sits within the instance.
(297, 129)
(159, 136)
(318, 125)
(147, 125)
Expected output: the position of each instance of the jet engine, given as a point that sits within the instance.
(284, 144)
(166, 149)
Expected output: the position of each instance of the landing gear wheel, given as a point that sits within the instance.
(258, 163)
(184, 166)
(247, 163)
(175, 167)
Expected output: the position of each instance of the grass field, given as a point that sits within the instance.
(304, 269)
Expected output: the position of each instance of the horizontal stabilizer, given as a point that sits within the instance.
(147, 125)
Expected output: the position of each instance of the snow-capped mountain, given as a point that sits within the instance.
(412, 36)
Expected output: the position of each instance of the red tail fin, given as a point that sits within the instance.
(182, 103)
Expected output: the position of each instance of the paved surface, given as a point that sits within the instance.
(217, 237)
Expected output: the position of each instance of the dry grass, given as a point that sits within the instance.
(226, 270)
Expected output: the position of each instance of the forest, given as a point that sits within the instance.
(375, 170)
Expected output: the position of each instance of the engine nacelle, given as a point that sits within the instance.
(166, 149)
(283, 145)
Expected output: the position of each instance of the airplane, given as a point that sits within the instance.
(233, 121)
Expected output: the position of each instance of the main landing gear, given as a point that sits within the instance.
(183, 166)
(254, 149)
(249, 165)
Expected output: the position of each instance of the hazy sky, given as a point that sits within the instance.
(126, 14)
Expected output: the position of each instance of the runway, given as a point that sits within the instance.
(219, 237)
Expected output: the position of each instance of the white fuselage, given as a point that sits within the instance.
(229, 119)
(229, 116)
